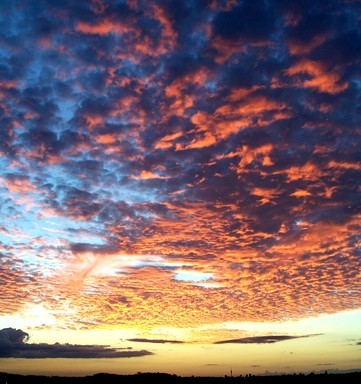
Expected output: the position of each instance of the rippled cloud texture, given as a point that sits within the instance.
(179, 162)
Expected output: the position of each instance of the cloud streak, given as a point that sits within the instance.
(261, 339)
(156, 341)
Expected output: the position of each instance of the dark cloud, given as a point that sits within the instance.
(341, 50)
(11, 335)
(261, 339)
(97, 249)
(13, 344)
(251, 22)
(42, 140)
(155, 341)
(310, 27)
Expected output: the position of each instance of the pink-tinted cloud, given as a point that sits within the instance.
(180, 163)
(103, 27)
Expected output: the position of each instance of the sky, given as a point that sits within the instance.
(180, 186)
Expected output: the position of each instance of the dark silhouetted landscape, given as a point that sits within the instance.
(100, 378)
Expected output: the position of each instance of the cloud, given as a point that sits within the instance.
(216, 136)
(320, 79)
(13, 344)
(259, 22)
(261, 339)
(156, 341)
(11, 335)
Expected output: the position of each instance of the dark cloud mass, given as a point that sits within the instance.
(11, 335)
(261, 339)
(156, 341)
(194, 159)
(13, 344)
(249, 21)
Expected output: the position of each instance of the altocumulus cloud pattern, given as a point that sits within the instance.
(179, 162)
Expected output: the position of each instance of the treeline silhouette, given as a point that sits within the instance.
(165, 378)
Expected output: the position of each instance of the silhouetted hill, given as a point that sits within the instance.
(164, 378)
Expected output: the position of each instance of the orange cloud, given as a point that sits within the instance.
(266, 195)
(181, 90)
(320, 79)
(104, 27)
(301, 193)
(203, 140)
(169, 37)
(248, 155)
(146, 175)
(300, 48)
(250, 283)
(167, 141)
(106, 139)
(308, 171)
(344, 165)
(93, 120)
(240, 93)
(251, 110)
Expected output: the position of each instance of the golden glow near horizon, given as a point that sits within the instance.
(180, 186)
(321, 343)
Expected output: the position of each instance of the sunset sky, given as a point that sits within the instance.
(180, 186)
